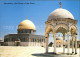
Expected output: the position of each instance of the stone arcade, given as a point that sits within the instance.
(61, 20)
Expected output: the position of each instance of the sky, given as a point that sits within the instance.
(38, 11)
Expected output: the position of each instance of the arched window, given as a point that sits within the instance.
(33, 39)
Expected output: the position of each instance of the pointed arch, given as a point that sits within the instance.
(57, 27)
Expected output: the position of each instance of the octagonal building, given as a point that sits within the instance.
(25, 36)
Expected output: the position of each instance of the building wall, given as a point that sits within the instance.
(24, 40)
(10, 43)
(26, 44)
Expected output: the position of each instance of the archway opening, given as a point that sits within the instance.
(59, 42)
(61, 31)
(50, 38)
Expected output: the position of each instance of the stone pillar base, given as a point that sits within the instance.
(75, 53)
(72, 52)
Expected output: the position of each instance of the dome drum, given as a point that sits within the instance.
(28, 31)
(64, 20)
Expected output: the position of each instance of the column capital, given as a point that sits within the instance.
(68, 42)
(76, 45)
(63, 36)
(54, 34)
(63, 33)
(46, 35)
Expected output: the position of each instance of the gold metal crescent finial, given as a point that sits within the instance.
(60, 4)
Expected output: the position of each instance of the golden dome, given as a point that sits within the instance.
(26, 24)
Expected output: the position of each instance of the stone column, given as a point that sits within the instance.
(54, 37)
(72, 44)
(68, 42)
(76, 45)
(44, 42)
(63, 43)
(46, 38)
(34, 42)
(46, 45)
(39, 41)
(29, 41)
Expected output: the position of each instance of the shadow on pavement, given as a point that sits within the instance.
(52, 55)
(45, 54)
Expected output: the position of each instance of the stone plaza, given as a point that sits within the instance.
(29, 51)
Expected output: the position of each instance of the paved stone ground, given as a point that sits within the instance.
(30, 51)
